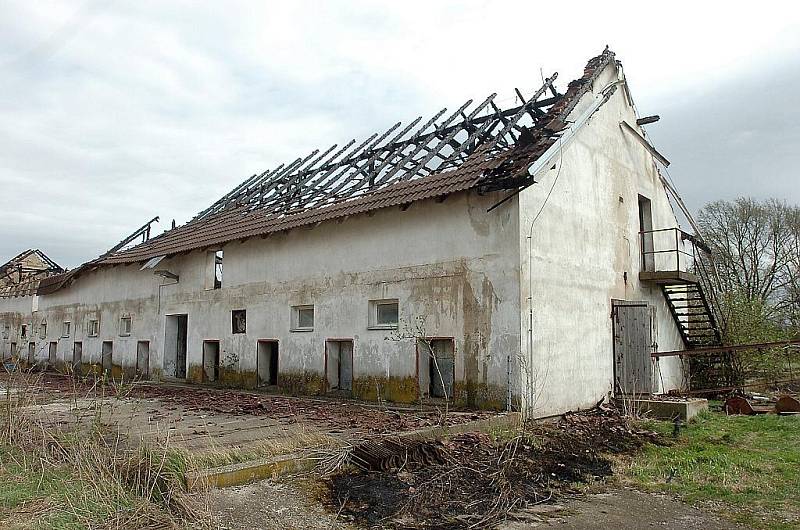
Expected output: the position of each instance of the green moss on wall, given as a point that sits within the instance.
(394, 389)
(301, 383)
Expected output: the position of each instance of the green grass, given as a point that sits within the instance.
(36, 495)
(747, 468)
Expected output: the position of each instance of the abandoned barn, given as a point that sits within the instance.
(494, 256)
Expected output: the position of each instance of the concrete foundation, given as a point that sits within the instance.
(669, 410)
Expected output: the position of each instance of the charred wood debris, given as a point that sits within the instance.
(475, 480)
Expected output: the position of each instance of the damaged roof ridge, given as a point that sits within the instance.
(243, 225)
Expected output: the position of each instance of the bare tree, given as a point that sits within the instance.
(416, 331)
(754, 253)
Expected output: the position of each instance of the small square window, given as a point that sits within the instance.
(303, 318)
(239, 321)
(384, 314)
(66, 329)
(93, 328)
(125, 326)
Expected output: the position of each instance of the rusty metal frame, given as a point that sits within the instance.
(727, 349)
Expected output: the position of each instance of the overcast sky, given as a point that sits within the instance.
(114, 112)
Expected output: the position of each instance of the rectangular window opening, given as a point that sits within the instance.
(239, 321)
(66, 329)
(303, 318)
(43, 330)
(218, 269)
(213, 270)
(384, 314)
(125, 325)
(24, 330)
(93, 327)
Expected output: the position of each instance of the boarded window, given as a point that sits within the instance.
(239, 321)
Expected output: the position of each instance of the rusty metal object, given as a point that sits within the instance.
(738, 405)
(787, 404)
(725, 349)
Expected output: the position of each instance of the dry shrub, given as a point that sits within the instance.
(123, 483)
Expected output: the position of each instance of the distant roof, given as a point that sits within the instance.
(481, 147)
(20, 275)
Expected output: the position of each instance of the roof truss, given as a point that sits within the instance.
(439, 144)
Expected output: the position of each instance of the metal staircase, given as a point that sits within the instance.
(689, 307)
(666, 262)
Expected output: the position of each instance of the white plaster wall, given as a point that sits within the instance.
(108, 294)
(450, 261)
(584, 252)
(13, 313)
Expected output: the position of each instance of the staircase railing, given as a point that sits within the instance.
(665, 250)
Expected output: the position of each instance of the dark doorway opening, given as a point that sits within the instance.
(210, 361)
(175, 346)
(107, 355)
(646, 234)
(31, 353)
(339, 364)
(77, 358)
(143, 358)
(267, 362)
(437, 367)
(52, 354)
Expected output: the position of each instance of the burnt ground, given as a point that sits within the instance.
(290, 503)
(477, 481)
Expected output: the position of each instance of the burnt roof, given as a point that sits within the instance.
(20, 275)
(481, 147)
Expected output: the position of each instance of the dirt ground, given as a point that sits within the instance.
(625, 509)
(205, 419)
(290, 503)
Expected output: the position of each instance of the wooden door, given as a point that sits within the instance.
(633, 365)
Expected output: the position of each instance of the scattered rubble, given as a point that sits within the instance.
(758, 404)
(474, 481)
(334, 415)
